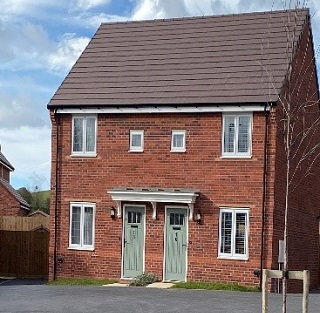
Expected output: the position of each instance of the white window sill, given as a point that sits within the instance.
(229, 257)
(178, 151)
(236, 156)
(94, 155)
(138, 151)
(81, 248)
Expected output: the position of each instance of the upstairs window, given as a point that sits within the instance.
(178, 141)
(136, 140)
(84, 135)
(233, 233)
(81, 233)
(236, 137)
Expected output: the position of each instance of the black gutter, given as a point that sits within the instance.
(266, 112)
(56, 198)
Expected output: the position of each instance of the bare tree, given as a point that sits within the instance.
(299, 122)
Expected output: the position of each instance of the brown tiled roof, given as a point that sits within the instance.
(206, 60)
(4, 161)
(15, 194)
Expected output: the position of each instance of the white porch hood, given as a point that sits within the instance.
(154, 195)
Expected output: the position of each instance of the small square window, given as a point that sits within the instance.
(136, 140)
(178, 141)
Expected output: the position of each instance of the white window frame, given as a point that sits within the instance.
(83, 152)
(179, 133)
(136, 148)
(236, 153)
(82, 246)
(233, 254)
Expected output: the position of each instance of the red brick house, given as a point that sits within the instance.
(11, 202)
(166, 152)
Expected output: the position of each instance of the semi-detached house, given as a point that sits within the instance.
(167, 152)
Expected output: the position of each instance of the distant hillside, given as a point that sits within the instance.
(38, 200)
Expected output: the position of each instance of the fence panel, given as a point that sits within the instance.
(19, 223)
(24, 253)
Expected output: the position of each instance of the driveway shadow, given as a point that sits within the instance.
(22, 281)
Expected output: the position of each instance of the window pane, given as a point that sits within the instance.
(229, 134)
(243, 136)
(90, 134)
(77, 134)
(226, 232)
(88, 226)
(138, 221)
(178, 141)
(75, 225)
(171, 218)
(136, 140)
(241, 225)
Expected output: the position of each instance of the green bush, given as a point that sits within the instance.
(144, 279)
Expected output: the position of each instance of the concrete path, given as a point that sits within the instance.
(81, 299)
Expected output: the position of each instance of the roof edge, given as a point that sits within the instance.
(203, 16)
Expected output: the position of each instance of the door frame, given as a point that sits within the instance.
(144, 236)
(165, 237)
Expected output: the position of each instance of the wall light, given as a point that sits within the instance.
(198, 217)
(112, 212)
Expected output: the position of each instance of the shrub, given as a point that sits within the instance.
(144, 279)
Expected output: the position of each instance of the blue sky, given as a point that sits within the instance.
(41, 40)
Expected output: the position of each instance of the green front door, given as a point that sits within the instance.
(133, 243)
(176, 245)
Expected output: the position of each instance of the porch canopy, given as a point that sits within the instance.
(154, 195)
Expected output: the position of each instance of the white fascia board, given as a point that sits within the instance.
(164, 109)
(142, 196)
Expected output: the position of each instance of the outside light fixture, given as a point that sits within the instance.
(198, 217)
(113, 212)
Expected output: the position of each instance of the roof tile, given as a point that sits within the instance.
(216, 59)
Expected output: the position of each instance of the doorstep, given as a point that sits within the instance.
(117, 285)
(160, 285)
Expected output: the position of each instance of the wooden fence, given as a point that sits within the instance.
(18, 223)
(24, 253)
(24, 246)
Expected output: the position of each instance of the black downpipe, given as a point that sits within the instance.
(266, 112)
(56, 199)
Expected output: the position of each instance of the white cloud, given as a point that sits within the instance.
(23, 46)
(154, 9)
(94, 20)
(88, 4)
(28, 150)
(32, 8)
(20, 110)
(67, 52)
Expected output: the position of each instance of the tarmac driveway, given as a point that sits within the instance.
(78, 299)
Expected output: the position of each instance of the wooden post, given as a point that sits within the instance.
(305, 299)
(264, 291)
(300, 275)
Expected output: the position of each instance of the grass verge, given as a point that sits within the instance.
(81, 282)
(215, 286)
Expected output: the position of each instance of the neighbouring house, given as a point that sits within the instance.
(168, 155)
(11, 202)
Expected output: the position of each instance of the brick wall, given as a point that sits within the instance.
(222, 182)
(4, 172)
(9, 206)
